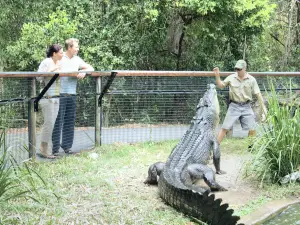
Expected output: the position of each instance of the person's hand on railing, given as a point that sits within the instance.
(81, 75)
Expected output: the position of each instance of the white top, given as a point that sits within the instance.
(46, 66)
(68, 84)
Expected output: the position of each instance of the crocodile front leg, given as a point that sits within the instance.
(216, 157)
(199, 171)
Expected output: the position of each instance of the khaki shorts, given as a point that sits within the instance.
(244, 113)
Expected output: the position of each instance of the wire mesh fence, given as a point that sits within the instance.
(135, 109)
(150, 108)
(14, 94)
(161, 107)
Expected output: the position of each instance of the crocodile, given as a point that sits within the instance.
(178, 178)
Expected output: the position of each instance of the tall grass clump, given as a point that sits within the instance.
(276, 152)
(17, 179)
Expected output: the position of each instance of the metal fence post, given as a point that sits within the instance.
(98, 112)
(32, 120)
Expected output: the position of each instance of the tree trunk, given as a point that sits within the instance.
(175, 35)
(298, 24)
(289, 37)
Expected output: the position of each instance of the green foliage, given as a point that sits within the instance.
(277, 49)
(29, 50)
(223, 101)
(221, 37)
(261, 11)
(277, 150)
(16, 180)
(135, 35)
(7, 115)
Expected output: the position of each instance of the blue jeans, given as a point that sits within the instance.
(64, 124)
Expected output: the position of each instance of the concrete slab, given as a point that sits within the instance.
(267, 211)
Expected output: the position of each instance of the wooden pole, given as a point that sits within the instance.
(141, 73)
(32, 120)
(98, 113)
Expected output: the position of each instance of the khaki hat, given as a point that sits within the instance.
(240, 64)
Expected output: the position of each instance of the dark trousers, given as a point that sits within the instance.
(64, 124)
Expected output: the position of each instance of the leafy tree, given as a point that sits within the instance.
(142, 34)
(29, 50)
(277, 49)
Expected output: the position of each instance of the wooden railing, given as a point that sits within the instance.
(124, 73)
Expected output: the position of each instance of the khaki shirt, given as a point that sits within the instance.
(241, 90)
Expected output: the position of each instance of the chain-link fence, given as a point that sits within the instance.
(134, 109)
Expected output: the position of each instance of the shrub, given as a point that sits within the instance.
(277, 149)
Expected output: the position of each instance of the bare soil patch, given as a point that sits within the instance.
(240, 190)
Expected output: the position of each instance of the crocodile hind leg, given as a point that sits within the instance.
(199, 171)
(154, 172)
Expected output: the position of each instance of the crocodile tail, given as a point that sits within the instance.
(203, 207)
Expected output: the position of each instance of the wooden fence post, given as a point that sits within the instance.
(98, 113)
(32, 119)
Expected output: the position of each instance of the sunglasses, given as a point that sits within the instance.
(237, 69)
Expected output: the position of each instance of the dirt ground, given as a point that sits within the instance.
(240, 191)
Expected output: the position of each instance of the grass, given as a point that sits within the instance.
(253, 205)
(108, 189)
(17, 180)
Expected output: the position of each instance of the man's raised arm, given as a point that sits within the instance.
(218, 79)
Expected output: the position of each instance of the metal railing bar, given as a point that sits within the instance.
(29, 99)
(4, 101)
(15, 100)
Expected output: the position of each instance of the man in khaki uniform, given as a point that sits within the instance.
(242, 87)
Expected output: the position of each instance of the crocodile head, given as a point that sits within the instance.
(208, 108)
